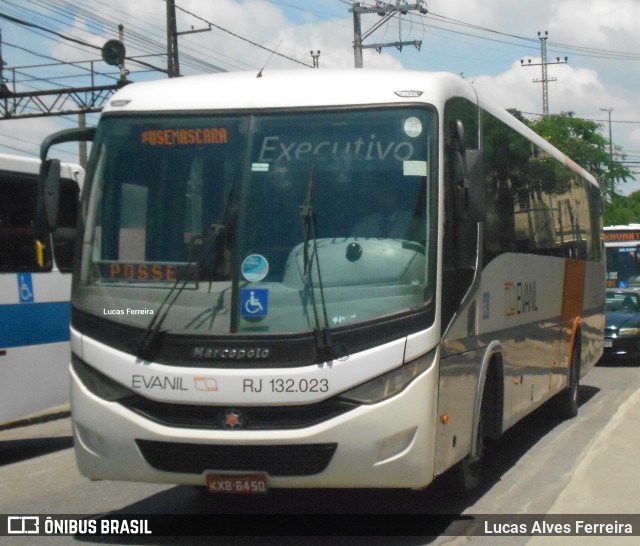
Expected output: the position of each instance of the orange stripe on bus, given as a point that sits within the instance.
(573, 290)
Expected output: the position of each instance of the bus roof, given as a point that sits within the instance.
(288, 88)
(17, 163)
(313, 88)
(31, 165)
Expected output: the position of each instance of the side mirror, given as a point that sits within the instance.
(50, 192)
(85, 134)
(49, 182)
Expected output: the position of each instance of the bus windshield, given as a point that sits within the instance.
(262, 224)
(623, 266)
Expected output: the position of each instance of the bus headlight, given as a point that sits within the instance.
(389, 384)
(98, 383)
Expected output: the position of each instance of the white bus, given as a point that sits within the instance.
(242, 320)
(35, 287)
(622, 245)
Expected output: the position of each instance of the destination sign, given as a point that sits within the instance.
(184, 137)
(622, 235)
(145, 272)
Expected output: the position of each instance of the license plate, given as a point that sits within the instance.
(247, 484)
(608, 343)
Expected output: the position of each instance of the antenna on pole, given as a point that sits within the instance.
(268, 59)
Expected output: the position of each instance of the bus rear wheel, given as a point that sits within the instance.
(569, 398)
(471, 471)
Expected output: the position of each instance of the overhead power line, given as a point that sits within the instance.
(577, 50)
(45, 102)
(235, 35)
(538, 114)
(72, 39)
(522, 41)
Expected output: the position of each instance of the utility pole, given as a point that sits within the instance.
(82, 145)
(357, 34)
(123, 71)
(4, 90)
(386, 11)
(173, 65)
(173, 68)
(315, 56)
(609, 110)
(544, 63)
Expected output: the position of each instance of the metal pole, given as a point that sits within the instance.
(609, 110)
(4, 90)
(172, 40)
(82, 150)
(544, 80)
(357, 36)
(544, 63)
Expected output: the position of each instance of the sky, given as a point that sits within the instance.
(484, 42)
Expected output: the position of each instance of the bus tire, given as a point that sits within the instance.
(569, 398)
(470, 472)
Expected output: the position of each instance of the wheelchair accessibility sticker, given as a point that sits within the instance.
(254, 302)
(25, 288)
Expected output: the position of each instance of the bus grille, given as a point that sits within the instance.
(275, 460)
(256, 417)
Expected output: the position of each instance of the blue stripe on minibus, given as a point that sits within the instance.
(34, 323)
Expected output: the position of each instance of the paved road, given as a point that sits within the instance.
(546, 466)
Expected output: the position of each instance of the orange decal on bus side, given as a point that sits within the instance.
(573, 297)
(573, 290)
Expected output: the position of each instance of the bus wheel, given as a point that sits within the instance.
(569, 398)
(470, 470)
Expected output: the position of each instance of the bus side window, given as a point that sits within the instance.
(64, 235)
(21, 247)
(460, 233)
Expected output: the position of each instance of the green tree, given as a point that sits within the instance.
(583, 142)
(622, 209)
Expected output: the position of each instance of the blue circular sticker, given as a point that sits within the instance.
(255, 268)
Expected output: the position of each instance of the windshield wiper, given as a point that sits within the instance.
(148, 345)
(325, 349)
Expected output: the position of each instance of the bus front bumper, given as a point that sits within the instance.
(387, 444)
